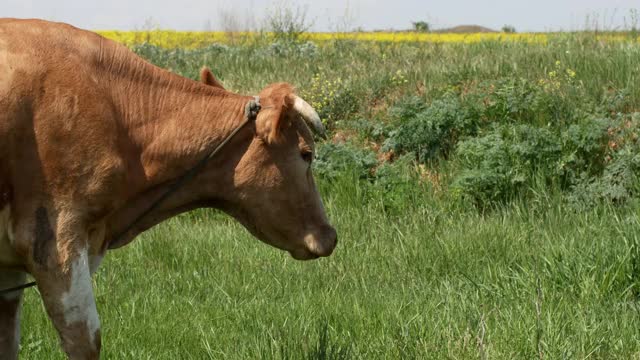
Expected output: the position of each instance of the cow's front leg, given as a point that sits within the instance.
(10, 304)
(68, 297)
(59, 262)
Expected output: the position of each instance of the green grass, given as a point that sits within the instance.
(417, 273)
(432, 283)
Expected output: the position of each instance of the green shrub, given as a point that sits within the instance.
(617, 184)
(509, 29)
(584, 149)
(612, 164)
(397, 184)
(511, 101)
(615, 101)
(421, 26)
(334, 100)
(334, 159)
(407, 108)
(523, 101)
(370, 129)
(505, 162)
(430, 132)
(593, 161)
(287, 22)
(284, 48)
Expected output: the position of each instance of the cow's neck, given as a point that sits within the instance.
(170, 122)
(167, 124)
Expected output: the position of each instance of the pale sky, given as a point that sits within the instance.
(328, 15)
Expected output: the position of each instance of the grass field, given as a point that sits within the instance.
(514, 233)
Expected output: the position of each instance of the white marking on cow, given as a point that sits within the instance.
(78, 303)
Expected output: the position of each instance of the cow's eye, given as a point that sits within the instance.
(307, 155)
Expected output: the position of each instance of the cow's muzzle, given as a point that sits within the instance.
(317, 244)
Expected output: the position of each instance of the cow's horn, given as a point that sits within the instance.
(309, 116)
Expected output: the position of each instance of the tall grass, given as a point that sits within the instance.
(522, 282)
(429, 67)
(416, 274)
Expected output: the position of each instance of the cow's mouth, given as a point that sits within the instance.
(303, 254)
(312, 250)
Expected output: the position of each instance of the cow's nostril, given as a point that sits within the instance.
(331, 237)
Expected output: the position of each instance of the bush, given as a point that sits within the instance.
(509, 29)
(421, 26)
(334, 100)
(593, 161)
(289, 48)
(397, 184)
(335, 159)
(612, 165)
(407, 108)
(286, 22)
(430, 132)
(584, 148)
(522, 101)
(505, 162)
(617, 184)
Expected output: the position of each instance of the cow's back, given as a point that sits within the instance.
(38, 56)
(38, 43)
(31, 50)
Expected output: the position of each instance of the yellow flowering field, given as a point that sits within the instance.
(197, 39)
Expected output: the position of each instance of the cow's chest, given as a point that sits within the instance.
(10, 259)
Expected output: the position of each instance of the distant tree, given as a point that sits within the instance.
(508, 29)
(421, 26)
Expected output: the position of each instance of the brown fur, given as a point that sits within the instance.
(91, 135)
(277, 100)
(207, 78)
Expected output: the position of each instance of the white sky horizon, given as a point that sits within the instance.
(332, 15)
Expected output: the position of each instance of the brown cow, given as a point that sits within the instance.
(91, 135)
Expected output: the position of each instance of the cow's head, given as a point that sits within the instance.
(274, 195)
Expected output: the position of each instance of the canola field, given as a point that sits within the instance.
(196, 39)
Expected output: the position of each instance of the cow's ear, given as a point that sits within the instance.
(277, 110)
(207, 78)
